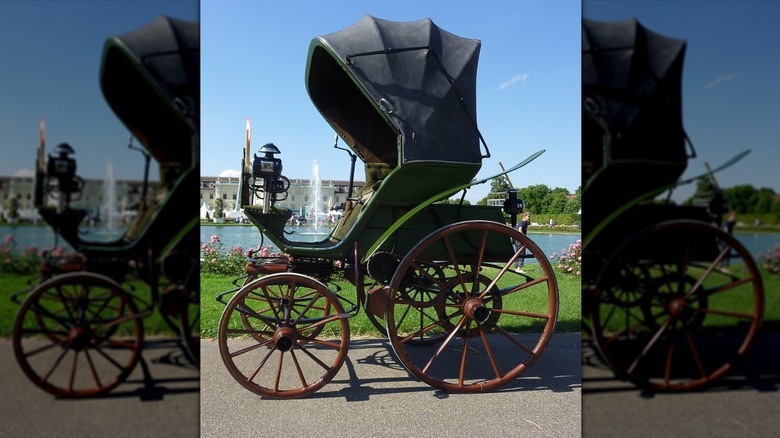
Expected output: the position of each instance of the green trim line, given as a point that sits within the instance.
(447, 193)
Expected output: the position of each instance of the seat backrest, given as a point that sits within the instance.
(375, 174)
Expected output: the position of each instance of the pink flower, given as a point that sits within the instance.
(214, 261)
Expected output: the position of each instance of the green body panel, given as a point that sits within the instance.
(369, 228)
(387, 224)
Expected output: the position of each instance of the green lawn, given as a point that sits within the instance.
(211, 285)
(10, 284)
(569, 315)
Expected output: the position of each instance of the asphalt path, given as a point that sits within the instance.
(744, 403)
(160, 398)
(373, 395)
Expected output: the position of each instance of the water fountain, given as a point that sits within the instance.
(108, 209)
(316, 195)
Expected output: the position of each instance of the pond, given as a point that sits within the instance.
(249, 236)
(245, 236)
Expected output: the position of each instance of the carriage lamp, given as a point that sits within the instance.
(62, 168)
(268, 168)
(513, 205)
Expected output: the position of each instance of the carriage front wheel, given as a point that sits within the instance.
(492, 323)
(676, 306)
(283, 335)
(77, 335)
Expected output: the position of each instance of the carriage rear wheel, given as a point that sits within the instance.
(491, 323)
(696, 304)
(283, 335)
(78, 335)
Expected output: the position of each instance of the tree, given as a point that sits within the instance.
(12, 206)
(535, 198)
(219, 208)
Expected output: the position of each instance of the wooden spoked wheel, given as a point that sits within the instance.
(257, 327)
(78, 335)
(283, 335)
(676, 306)
(490, 322)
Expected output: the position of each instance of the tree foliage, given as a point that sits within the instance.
(539, 198)
(744, 198)
(219, 208)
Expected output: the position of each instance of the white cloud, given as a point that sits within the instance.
(517, 78)
(721, 79)
(230, 173)
(26, 173)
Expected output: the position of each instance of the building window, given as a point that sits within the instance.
(211, 196)
(224, 196)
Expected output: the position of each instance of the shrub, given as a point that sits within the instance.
(569, 261)
(216, 259)
(25, 262)
(771, 260)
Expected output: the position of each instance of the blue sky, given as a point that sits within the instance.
(528, 90)
(50, 53)
(731, 96)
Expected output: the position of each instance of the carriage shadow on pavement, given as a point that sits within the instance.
(757, 371)
(371, 369)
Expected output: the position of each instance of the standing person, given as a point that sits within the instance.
(523, 228)
(731, 220)
(728, 227)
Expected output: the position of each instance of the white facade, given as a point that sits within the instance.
(93, 198)
(300, 198)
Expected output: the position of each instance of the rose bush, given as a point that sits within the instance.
(26, 262)
(569, 260)
(217, 259)
(770, 261)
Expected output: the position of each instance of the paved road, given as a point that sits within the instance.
(160, 398)
(373, 395)
(745, 403)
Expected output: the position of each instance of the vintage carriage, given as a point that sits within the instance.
(437, 278)
(671, 299)
(79, 332)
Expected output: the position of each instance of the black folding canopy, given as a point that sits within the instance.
(631, 80)
(398, 92)
(151, 80)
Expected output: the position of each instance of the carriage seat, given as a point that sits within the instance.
(149, 208)
(375, 174)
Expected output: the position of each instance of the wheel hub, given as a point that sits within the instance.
(285, 338)
(680, 308)
(78, 338)
(475, 309)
